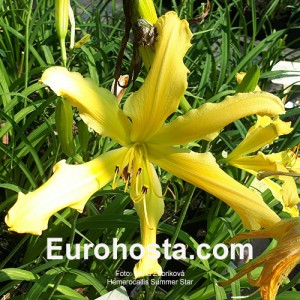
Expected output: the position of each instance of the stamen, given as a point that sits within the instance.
(137, 178)
(136, 199)
(146, 213)
(295, 155)
(126, 161)
(116, 177)
(127, 177)
(296, 150)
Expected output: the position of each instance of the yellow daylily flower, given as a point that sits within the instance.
(145, 140)
(264, 132)
(69, 186)
(277, 263)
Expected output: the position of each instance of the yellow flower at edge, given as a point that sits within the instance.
(264, 132)
(277, 263)
(146, 140)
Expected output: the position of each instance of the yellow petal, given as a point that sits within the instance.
(278, 263)
(150, 209)
(278, 231)
(265, 184)
(209, 119)
(258, 163)
(69, 186)
(288, 158)
(201, 170)
(287, 193)
(97, 106)
(264, 132)
(166, 82)
(295, 166)
(268, 183)
(293, 211)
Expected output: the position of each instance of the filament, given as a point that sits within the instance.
(127, 181)
(262, 175)
(145, 208)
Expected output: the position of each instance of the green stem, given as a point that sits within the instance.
(149, 292)
(174, 237)
(21, 65)
(185, 106)
(63, 52)
(27, 44)
(72, 236)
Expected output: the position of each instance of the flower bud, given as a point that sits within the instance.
(64, 126)
(61, 17)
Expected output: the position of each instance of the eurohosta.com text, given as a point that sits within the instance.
(136, 251)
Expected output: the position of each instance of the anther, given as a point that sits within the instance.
(296, 150)
(144, 189)
(127, 182)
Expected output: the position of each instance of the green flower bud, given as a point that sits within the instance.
(64, 126)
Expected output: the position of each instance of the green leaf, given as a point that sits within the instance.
(250, 81)
(17, 274)
(42, 284)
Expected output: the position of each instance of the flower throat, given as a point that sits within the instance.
(134, 172)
